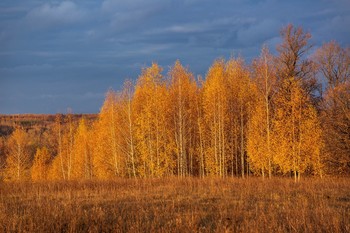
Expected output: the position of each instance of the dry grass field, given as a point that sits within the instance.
(177, 205)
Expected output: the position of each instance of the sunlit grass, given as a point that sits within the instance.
(177, 205)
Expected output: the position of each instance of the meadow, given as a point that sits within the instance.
(177, 205)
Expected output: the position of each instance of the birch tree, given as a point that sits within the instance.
(241, 95)
(18, 157)
(214, 107)
(182, 91)
(41, 164)
(82, 158)
(260, 127)
(151, 123)
(108, 159)
(297, 131)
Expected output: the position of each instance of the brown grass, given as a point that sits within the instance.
(177, 205)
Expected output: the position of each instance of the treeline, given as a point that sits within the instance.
(287, 114)
(34, 124)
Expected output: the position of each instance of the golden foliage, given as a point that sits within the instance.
(297, 136)
(260, 119)
(18, 157)
(39, 169)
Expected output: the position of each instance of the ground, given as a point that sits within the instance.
(177, 205)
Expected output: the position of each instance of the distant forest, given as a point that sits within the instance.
(282, 115)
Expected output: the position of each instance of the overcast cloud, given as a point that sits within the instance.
(60, 54)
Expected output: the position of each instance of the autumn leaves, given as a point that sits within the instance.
(261, 119)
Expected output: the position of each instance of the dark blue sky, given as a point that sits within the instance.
(60, 54)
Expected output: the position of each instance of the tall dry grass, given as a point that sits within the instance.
(177, 205)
